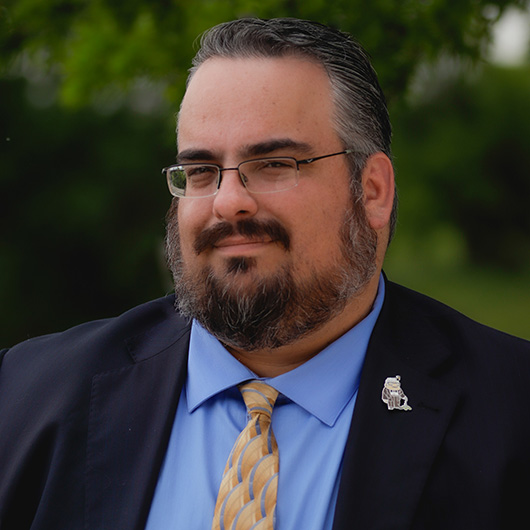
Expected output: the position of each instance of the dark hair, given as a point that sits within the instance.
(361, 115)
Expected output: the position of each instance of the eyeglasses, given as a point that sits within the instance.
(261, 175)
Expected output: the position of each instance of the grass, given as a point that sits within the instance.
(495, 298)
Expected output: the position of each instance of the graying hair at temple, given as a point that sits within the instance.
(361, 115)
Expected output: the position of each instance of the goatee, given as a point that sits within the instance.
(277, 309)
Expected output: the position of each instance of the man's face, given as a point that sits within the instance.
(280, 248)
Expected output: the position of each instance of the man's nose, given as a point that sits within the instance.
(233, 201)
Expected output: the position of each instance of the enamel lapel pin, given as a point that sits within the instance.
(393, 394)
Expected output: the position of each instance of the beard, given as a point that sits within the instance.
(278, 309)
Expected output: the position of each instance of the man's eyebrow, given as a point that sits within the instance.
(270, 146)
(195, 155)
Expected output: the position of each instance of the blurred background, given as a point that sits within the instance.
(88, 94)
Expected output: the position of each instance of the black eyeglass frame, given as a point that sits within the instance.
(220, 170)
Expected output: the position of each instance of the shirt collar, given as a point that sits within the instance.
(323, 386)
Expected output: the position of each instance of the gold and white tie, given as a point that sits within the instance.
(247, 495)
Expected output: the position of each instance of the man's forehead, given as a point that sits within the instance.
(263, 74)
(252, 85)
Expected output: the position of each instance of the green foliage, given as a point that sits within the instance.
(97, 44)
(462, 158)
(82, 211)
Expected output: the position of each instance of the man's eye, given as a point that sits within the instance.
(272, 168)
(200, 176)
(275, 164)
(200, 172)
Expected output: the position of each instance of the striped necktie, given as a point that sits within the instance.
(247, 495)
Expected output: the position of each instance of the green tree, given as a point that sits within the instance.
(463, 153)
(97, 45)
(82, 205)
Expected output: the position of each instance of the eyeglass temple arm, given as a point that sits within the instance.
(314, 159)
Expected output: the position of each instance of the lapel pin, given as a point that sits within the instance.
(393, 394)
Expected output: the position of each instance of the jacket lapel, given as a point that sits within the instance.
(389, 452)
(131, 415)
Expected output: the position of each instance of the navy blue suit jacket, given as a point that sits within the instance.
(85, 418)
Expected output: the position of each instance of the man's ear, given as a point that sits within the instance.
(378, 186)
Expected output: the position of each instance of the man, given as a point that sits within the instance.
(284, 207)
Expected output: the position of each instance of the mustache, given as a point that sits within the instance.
(251, 228)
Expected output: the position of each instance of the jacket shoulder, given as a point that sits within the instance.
(445, 325)
(68, 360)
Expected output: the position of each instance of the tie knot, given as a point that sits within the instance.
(259, 397)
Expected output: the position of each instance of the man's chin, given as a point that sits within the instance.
(240, 265)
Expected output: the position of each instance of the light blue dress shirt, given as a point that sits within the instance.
(311, 421)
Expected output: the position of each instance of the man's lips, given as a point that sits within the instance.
(237, 241)
(241, 245)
